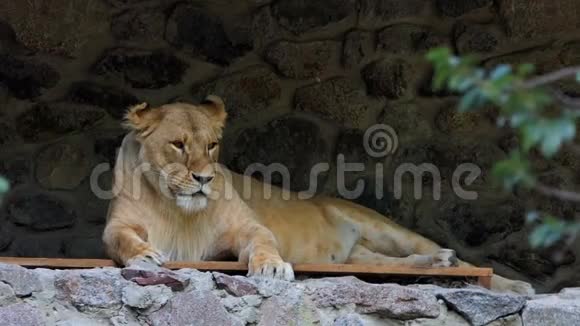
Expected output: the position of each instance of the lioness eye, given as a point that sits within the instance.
(178, 144)
(211, 146)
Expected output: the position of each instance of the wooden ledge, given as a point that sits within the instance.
(482, 274)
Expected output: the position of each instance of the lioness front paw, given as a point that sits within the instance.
(271, 267)
(445, 258)
(147, 255)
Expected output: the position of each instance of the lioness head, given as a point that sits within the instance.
(180, 142)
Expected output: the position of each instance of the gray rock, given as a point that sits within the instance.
(9, 42)
(46, 277)
(202, 34)
(50, 120)
(40, 212)
(126, 317)
(513, 320)
(300, 16)
(197, 280)
(125, 3)
(235, 285)
(21, 314)
(271, 287)
(16, 170)
(114, 100)
(406, 118)
(144, 69)
(409, 39)
(6, 236)
(294, 143)
(391, 78)
(7, 134)
(139, 25)
(357, 46)
(62, 166)
(197, 307)
(250, 91)
(536, 264)
(450, 121)
(470, 38)
(391, 9)
(570, 54)
(388, 300)
(144, 273)
(23, 281)
(265, 29)
(464, 221)
(4, 98)
(351, 144)
(482, 307)
(525, 19)
(335, 99)
(455, 8)
(570, 293)
(98, 291)
(26, 78)
(289, 308)
(245, 308)
(349, 320)
(301, 60)
(146, 298)
(7, 295)
(552, 310)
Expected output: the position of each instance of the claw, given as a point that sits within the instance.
(445, 258)
(273, 269)
(149, 257)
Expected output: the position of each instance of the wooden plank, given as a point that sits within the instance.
(57, 262)
(392, 270)
(237, 267)
(344, 269)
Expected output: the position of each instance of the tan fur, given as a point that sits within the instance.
(265, 232)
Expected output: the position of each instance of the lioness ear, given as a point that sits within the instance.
(216, 109)
(142, 118)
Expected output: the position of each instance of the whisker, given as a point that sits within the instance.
(172, 180)
(183, 185)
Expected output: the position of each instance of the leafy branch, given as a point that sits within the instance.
(4, 187)
(543, 117)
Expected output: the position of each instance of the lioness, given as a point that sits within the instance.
(175, 203)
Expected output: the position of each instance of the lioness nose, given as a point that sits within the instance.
(202, 179)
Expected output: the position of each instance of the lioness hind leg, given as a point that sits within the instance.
(362, 255)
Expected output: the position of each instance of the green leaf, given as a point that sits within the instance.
(513, 171)
(517, 119)
(525, 69)
(549, 134)
(439, 55)
(550, 232)
(471, 101)
(531, 135)
(532, 216)
(4, 185)
(500, 71)
(440, 78)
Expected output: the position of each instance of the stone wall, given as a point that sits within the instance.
(302, 81)
(111, 296)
